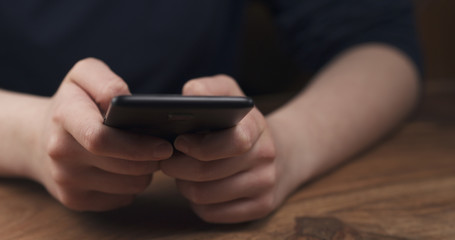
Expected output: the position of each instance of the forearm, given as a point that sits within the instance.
(352, 103)
(20, 114)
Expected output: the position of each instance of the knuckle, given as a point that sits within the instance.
(200, 153)
(140, 168)
(267, 152)
(84, 62)
(224, 77)
(268, 179)
(74, 201)
(167, 167)
(195, 87)
(194, 193)
(115, 85)
(201, 156)
(57, 116)
(88, 61)
(61, 177)
(92, 140)
(266, 205)
(188, 87)
(69, 201)
(202, 173)
(243, 141)
(208, 216)
(55, 148)
(231, 83)
(139, 184)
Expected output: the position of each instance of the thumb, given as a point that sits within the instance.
(97, 80)
(219, 85)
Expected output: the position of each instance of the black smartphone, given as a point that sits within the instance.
(170, 115)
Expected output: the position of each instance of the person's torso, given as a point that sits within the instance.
(155, 45)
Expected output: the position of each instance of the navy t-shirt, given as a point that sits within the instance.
(157, 45)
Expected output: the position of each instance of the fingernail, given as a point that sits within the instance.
(164, 150)
(181, 144)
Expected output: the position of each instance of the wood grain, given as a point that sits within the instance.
(404, 188)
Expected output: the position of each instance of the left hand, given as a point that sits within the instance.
(229, 175)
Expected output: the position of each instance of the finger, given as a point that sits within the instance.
(226, 143)
(126, 167)
(183, 167)
(186, 168)
(81, 118)
(98, 80)
(94, 179)
(92, 201)
(219, 85)
(241, 210)
(106, 182)
(63, 149)
(243, 185)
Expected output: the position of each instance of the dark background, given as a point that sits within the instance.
(264, 62)
(436, 24)
(435, 21)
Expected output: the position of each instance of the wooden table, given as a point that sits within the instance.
(404, 188)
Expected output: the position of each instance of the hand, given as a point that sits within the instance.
(229, 175)
(83, 163)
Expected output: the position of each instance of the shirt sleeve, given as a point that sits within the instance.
(316, 30)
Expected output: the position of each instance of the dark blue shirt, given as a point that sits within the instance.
(157, 45)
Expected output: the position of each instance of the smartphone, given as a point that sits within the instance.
(170, 115)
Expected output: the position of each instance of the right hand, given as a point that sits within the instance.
(86, 165)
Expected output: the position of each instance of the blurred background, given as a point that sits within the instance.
(436, 25)
(435, 21)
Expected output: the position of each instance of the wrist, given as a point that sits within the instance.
(293, 158)
(37, 130)
(22, 124)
